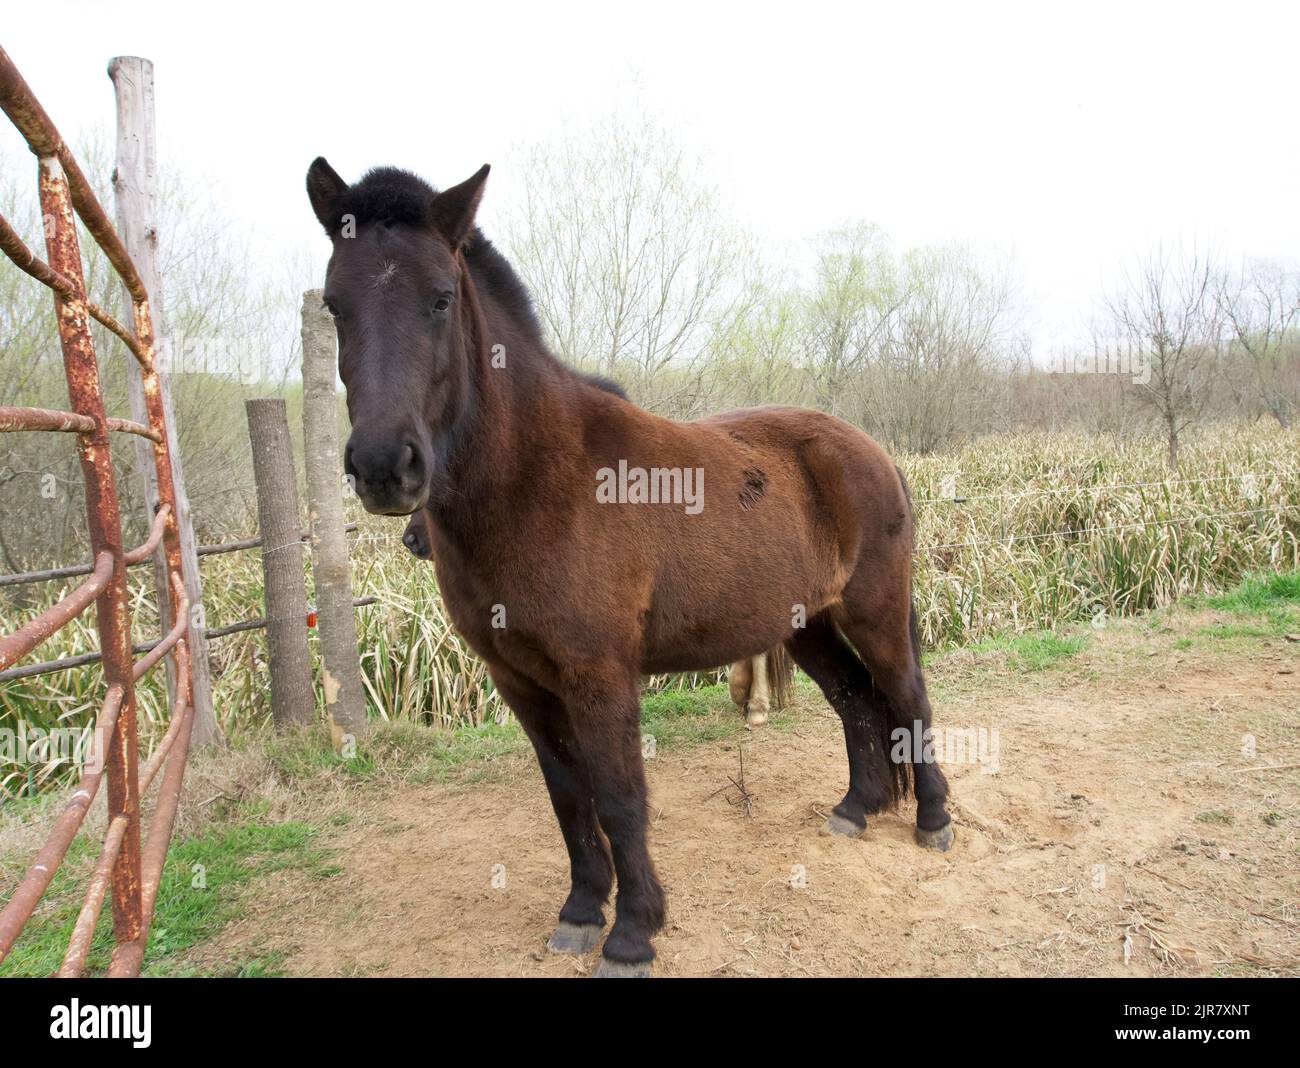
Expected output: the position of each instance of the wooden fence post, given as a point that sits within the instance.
(135, 185)
(293, 701)
(345, 699)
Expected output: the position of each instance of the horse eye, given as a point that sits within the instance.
(442, 303)
(332, 308)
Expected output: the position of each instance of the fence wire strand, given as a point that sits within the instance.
(1011, 540)
(1093, 489)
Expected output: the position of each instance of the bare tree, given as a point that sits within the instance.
(759, 359)
(856, 291)
(908, 345)
(630, 259)
(1166, 318)
(936, 377)
(1261, 309)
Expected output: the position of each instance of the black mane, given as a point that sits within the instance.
(394, 197)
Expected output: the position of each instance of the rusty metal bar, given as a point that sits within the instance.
(113, 613)
(20, 906)
(42, 137)
(126, 426)
(44, 419)
(25, 639)
(74, 961)
(160, 752)
(145, 549)
(25, 260)
(170, 639)
(70, 422)
(128, 956)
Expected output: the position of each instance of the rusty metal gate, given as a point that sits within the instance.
(131, 871)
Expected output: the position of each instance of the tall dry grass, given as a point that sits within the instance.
(1001, 560)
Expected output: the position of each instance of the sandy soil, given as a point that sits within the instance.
(1128, 830)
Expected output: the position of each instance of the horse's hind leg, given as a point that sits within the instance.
(828, 660)
(545, 721)
(884, 633)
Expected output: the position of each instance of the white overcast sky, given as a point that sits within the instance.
(1074, 135)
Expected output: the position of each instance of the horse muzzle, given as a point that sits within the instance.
(390, 475)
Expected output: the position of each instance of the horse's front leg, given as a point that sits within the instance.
(605, 712)
(545, 721)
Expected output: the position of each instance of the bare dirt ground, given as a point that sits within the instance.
(1128, 830)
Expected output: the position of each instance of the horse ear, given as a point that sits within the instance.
(453, 209)
(324, 187)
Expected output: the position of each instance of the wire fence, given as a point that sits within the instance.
(49, 667)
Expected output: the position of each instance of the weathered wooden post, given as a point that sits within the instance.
(135, 185)
(345, 699)
(292, 698)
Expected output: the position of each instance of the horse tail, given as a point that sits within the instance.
(780, 676)
(912, 625)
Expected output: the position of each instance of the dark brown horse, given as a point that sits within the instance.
(757, 684)
(581, 542)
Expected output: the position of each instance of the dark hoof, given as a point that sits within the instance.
(839, 825)
(618, 969)
(574, 937)
(940, 839)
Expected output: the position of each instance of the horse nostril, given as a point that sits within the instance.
(411, 467)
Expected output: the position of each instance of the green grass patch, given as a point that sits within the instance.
(1266, 606)
(1223, 630)
(198, 896)
(411, 752)
(689, 717)
(1034, 652)
(266, 966)
(1260, 592)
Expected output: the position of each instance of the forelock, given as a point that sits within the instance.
(385, 195)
